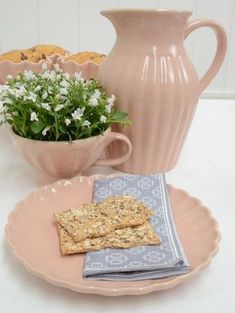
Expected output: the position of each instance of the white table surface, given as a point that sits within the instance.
(206, 169)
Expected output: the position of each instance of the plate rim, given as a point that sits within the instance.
(104, 290)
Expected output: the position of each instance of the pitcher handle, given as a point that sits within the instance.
(220, 51)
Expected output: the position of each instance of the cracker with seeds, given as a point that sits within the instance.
(98, 219)
(127, 237)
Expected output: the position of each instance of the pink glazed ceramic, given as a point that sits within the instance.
(155, 82)
(63, 159)
(88, 70)
(40, 253)
(13, 69)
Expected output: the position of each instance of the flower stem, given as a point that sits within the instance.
(56, 129)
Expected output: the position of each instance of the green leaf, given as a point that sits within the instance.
(119, 115)
(37, 126)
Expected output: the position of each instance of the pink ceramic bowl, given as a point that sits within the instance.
(64, 159)
(88, 69)
(11, 68)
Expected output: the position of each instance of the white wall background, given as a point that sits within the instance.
(77, 25)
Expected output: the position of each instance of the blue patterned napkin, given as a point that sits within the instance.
(142, 262)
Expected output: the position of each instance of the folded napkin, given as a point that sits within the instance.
(142, 262)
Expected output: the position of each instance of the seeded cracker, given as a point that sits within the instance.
(99, 219)
(121, 238)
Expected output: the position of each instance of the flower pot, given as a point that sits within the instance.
(63, 159)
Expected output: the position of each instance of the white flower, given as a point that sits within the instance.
(20, 92)
(78, 113)
(38, 88)
(86, 123)
(64, 84)
(52, 75)
(45, 75)
(32, 96)
(66, 75)
(33, 117)
(49, 75)
(78, 76)
(4, 88)
(11, 91)
(45, 95)
(63, 91)
(94, 98)
(59, 107)
(45, 130)
(111, 100)
(57, 67)
(96, 94)
(108, 108)
(46, 106)
(93, 101)
(67, 121)
(8, 101)
(58, 76)
(1, 107)
(103, 119)
(29, 74)
(44, 66)
(9, 77)
(8, 116)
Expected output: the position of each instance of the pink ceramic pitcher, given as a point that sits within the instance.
(154, 80)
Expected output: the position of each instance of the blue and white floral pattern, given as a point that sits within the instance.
(144, 261)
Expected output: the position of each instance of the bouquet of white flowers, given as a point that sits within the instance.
(54, 106)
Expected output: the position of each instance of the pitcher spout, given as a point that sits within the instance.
(151, 23)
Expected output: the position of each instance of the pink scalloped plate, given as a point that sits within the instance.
(32, 235)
